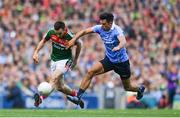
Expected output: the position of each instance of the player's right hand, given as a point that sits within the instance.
(35, 58)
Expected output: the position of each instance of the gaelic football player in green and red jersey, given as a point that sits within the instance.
(61, 59)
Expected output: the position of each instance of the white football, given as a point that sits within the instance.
(44, 88)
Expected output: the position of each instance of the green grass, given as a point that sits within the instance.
(88, 113)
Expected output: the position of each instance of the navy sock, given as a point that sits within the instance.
(80, 93)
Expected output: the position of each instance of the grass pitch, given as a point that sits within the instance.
(88, 113)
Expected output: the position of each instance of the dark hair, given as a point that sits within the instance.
(107, 16)
(59, 25)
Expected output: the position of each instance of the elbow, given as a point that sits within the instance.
(79, 44)
(123, 43)
(43, 41)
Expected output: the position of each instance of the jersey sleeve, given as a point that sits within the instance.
(70, 35)
(47, 35)
(96, 28)
(119, 32)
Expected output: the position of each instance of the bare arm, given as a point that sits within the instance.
(78, 35)
(77, 53)
(38, 48)
(122, 43)
(78, 50)
(40, 45)
(82, 33)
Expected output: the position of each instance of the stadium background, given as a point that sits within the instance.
(152, 31)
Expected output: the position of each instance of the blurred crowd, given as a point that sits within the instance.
(152, 29)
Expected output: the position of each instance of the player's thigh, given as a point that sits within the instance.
(123, 69)
(57, 78)
(96, 69)
(105, 65)
(58, 67)
(57, 72)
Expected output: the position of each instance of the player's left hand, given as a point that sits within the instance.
(70, 43)
(116, 48)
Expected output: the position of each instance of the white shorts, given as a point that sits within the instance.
(59, 66)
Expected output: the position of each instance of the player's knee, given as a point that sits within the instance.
(127, 87)
(56, 82)
(91, 73)
(61, 88)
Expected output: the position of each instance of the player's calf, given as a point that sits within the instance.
(67, 90)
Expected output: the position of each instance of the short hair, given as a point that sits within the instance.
(59, 25)
(107, 16)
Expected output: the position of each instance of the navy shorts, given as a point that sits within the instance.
(123, 68)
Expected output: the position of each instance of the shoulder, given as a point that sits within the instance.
(50, 31)
(118, 30)
(96, 28)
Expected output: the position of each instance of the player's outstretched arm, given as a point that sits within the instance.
(78, 35)
(39, 46)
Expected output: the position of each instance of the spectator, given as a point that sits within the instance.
(172, 84)
(13, 96)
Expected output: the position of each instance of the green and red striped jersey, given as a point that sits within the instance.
(59, 42)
